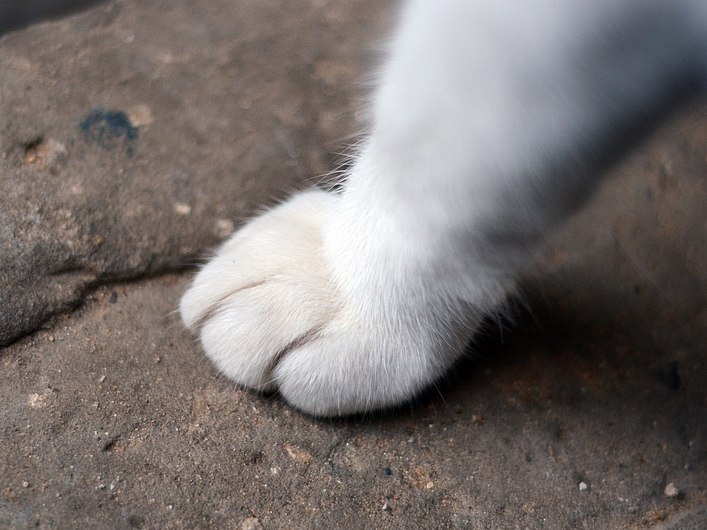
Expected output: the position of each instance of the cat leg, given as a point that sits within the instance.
(490, 121)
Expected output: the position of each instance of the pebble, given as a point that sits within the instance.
(671, 490)
(182, 208)
(430, 485)
(251, 523)
(583, 486)
(25, 484)
(224, 227)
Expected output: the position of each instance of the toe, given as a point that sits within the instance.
(251, 330)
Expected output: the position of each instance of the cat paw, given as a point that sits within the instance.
(270, 316)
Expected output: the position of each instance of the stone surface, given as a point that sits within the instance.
(591, 405)
(133, 133)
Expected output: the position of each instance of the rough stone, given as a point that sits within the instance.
(133, 133)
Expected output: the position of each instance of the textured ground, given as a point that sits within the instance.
(135, 135)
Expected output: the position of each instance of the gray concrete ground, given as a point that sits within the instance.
(134, 137)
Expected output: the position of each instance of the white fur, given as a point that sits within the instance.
(486, 123)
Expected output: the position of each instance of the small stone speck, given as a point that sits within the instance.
(182, 208)
(251, 523)
(671, 490)
(430, 485)
(25, 484)
(224, 227)
(102, 378)
(140, 115)
(583, 486)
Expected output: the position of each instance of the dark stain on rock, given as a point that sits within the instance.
(109, 128)
(135, 521)
(110, 444)
(256, 457)
(670, 376)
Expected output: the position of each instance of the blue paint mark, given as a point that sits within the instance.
(109, 128)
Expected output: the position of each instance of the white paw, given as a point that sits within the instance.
(270, 316)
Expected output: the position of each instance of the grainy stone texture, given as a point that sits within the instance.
(134, 135)
(580, 418)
